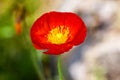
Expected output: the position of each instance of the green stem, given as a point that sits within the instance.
(59, 68)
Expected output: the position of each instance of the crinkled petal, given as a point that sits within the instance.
(75, 25)
(80, 37)
(54, 49)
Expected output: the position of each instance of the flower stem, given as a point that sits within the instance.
(59, 68)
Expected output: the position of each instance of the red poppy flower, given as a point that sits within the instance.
(57, 32)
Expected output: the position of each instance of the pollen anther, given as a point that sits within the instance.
(58, 35)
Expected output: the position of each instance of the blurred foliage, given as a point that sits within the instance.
(15, 49)
(99, 72)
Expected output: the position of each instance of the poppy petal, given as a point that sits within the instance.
(80, 37)
(57, 49)
(37, 47)
(56, 19)
(75, 24)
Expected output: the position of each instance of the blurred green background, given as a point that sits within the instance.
(16, 58)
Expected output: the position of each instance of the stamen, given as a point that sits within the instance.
(58, 35)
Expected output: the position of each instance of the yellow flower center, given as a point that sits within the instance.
(58, 35)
